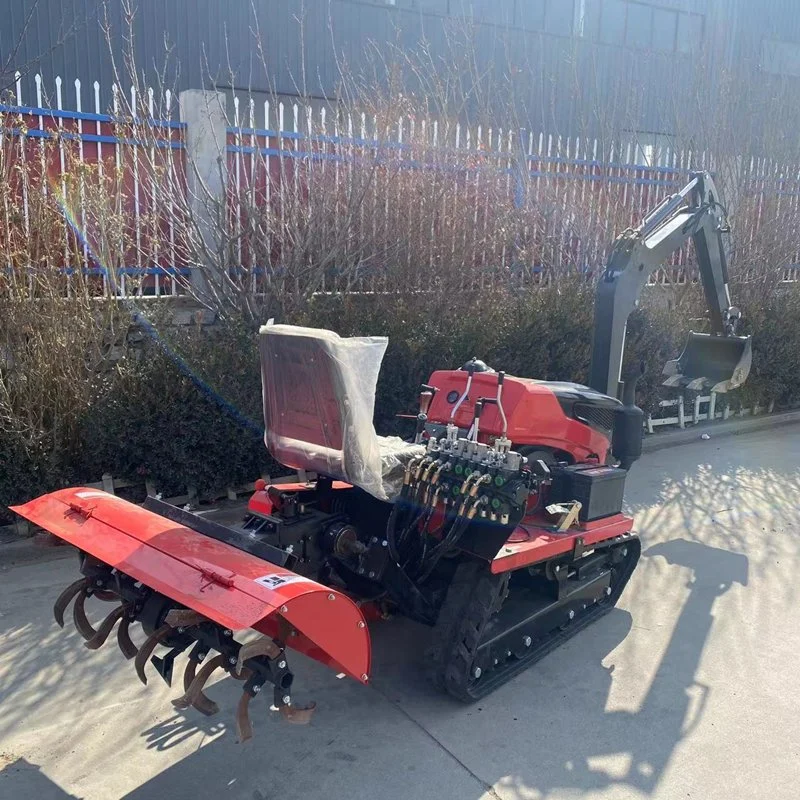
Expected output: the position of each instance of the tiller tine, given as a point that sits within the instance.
(177, 619)
(260, 647)
(106, 626)
(244, 727)
(205, 705)
(82, 624)
(126, 645)
(147, 650)
(274, 669)
(66, 597)
(297, 715)
(195, 690)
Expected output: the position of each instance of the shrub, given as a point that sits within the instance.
(183, 408)
(186, 411)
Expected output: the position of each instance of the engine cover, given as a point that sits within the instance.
(560, 416)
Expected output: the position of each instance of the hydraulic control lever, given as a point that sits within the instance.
(501, 444)
(501, 376)
(479, 404)
(471, 368)
(426, 396)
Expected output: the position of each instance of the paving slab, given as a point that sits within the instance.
(684, 690)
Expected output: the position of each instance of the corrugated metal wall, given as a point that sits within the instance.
(563, 83)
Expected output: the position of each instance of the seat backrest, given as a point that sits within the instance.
(319, 401)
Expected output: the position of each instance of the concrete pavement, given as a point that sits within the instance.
(686, 690)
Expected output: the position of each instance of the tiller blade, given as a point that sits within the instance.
(147, 649)
(82, 624)
(126, 645)
(202, 703)
(66, 597)
(193, 592)
(195, 690)
(106, 626)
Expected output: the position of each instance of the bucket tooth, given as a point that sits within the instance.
(106, 626)
(82, 624)
(64, 599)
(195, 689)
(147, 649)
(126, 645)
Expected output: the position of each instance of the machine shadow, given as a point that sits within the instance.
(633, 748)
(578, 735)
(178, 729)
(21, 779)
(721, 499)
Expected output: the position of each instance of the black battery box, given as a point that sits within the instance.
(597, 488)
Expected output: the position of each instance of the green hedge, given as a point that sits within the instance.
(186, 411)
(184, 407)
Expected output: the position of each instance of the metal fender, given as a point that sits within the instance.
(233, 588)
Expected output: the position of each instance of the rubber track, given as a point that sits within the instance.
(474, 596)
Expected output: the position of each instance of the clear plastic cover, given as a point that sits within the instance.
(319, 401)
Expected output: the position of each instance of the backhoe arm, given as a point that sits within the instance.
(720, 360)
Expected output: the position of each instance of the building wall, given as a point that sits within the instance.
(571, 65)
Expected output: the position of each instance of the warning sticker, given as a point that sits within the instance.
(276, 581)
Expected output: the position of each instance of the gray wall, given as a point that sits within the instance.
(567, 63)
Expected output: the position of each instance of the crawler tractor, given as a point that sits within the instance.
(499, 525)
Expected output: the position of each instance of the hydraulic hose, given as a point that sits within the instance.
(457, 530)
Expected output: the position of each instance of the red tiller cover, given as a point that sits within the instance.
(233, 588)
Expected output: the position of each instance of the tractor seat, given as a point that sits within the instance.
(319, 402)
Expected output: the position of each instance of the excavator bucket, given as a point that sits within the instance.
(192, 592)
(711, 363)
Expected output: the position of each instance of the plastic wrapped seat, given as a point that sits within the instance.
(319, 402)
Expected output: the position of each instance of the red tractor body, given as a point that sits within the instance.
(540, 414)
(518, 502)
(500, 525)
